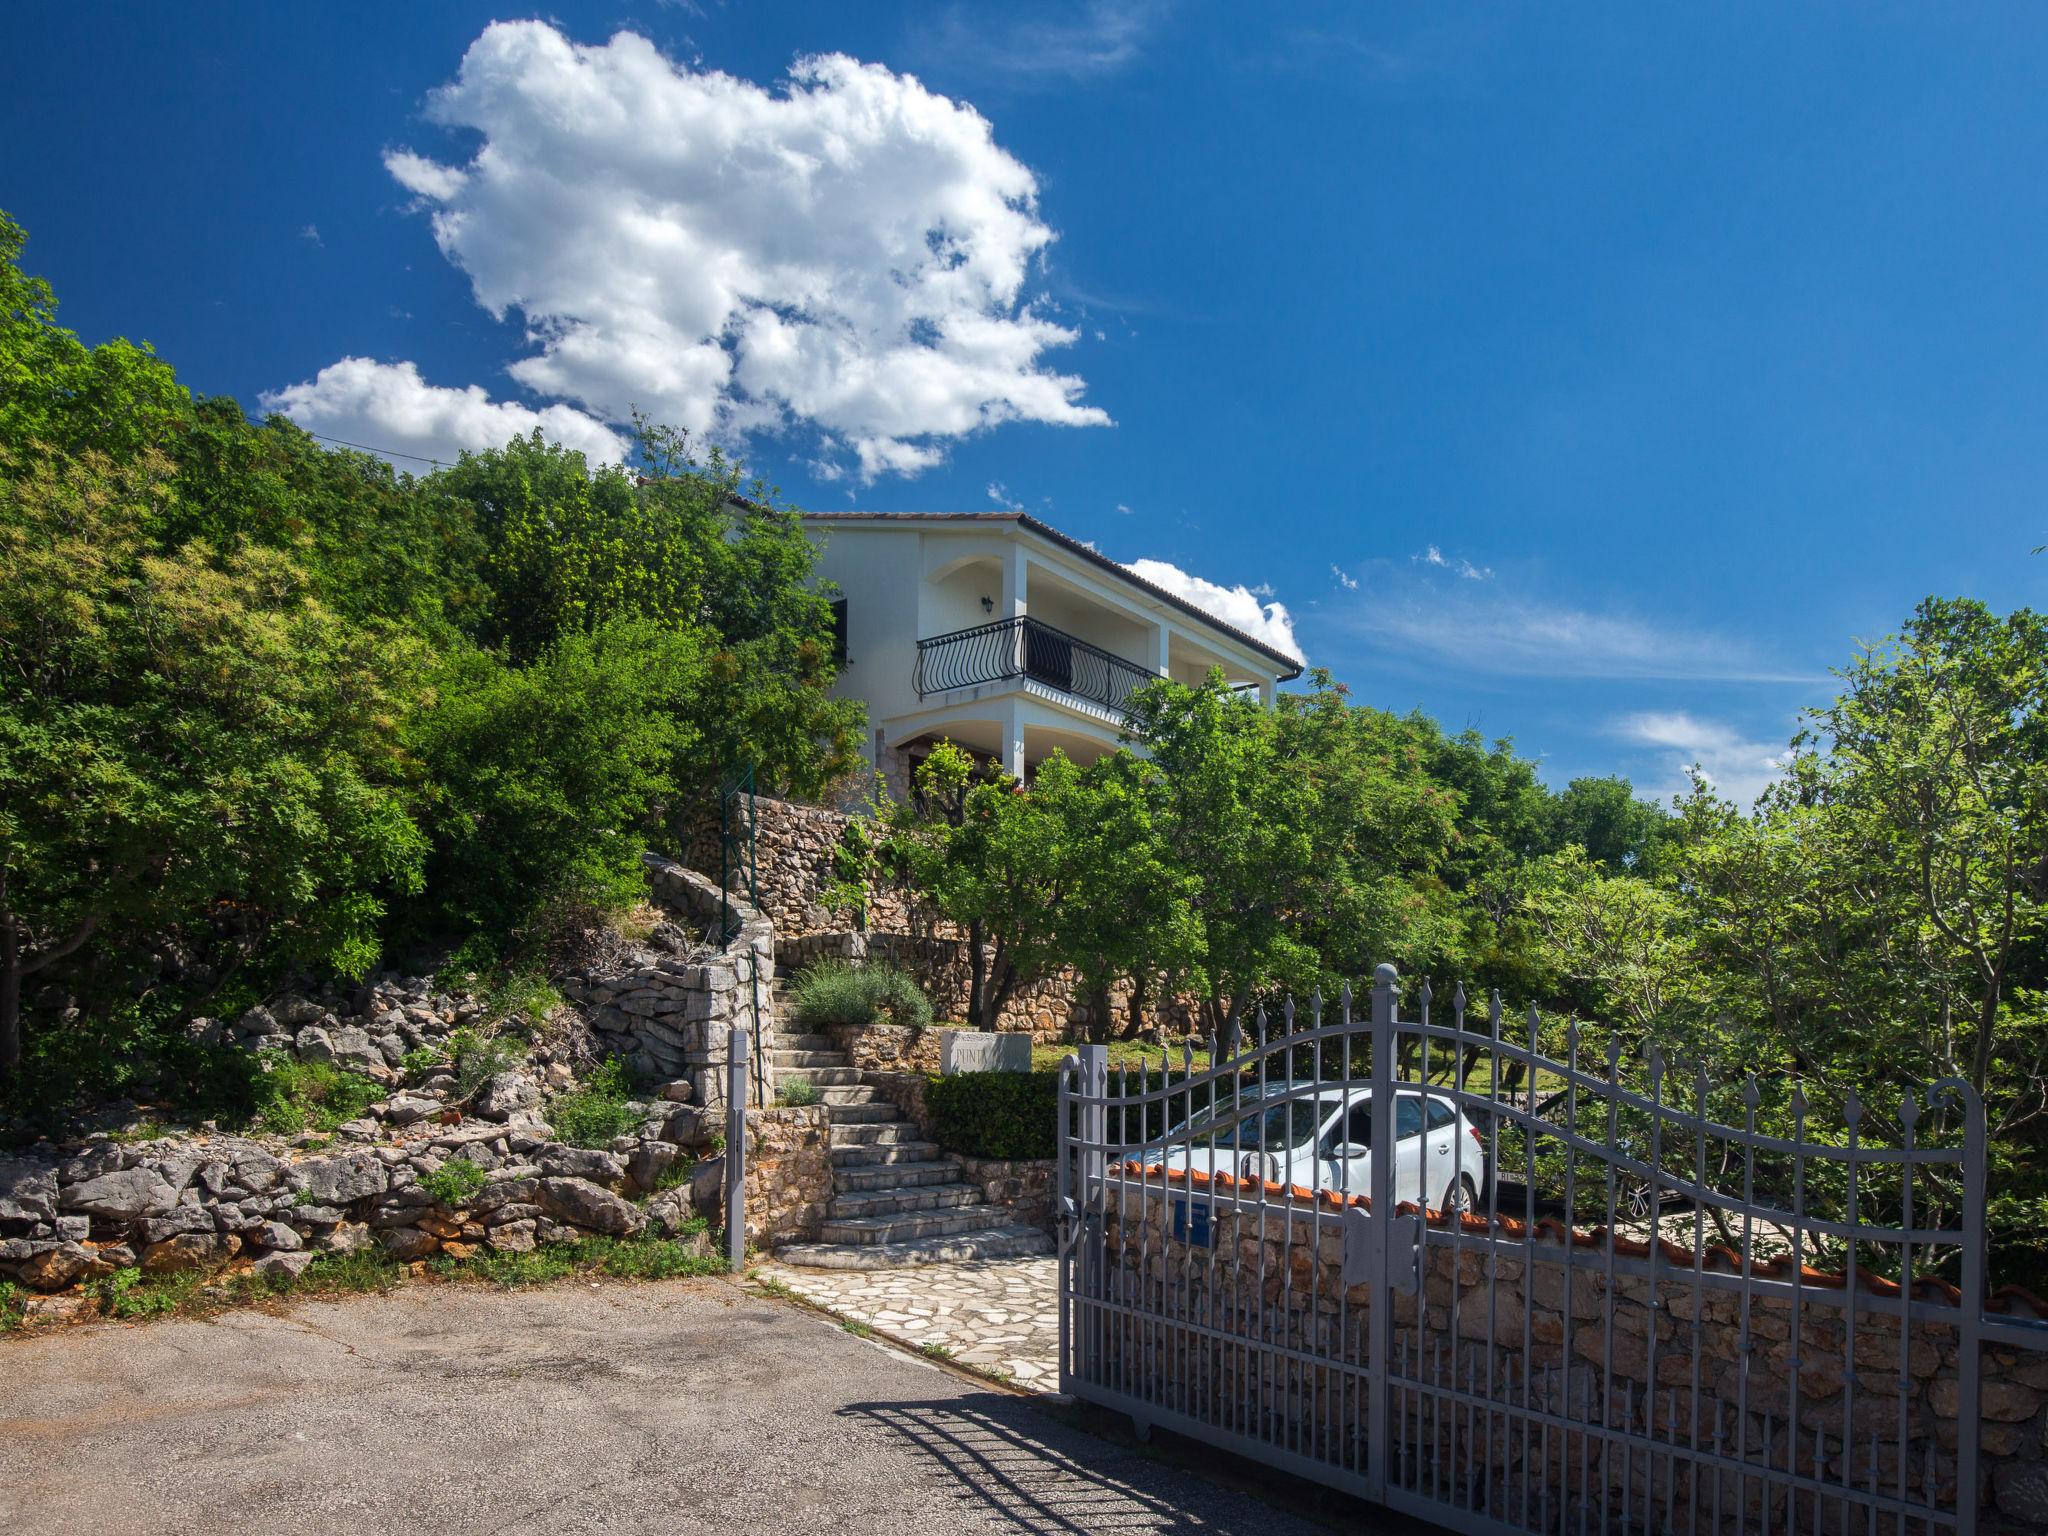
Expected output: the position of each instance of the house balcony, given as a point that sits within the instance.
(1027, 650)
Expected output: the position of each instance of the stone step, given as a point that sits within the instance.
(818, 1065)
(896, 1173)
(874, 1153)
(873, 1133)
(990, 1243)
(794, 1040)
(849, 1094)
(860, 1114)
(820, 1076)
(900, 1229)
(903, 1200)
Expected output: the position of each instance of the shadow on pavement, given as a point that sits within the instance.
(1020, 1464)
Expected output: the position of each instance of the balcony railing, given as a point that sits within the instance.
(1025, 648)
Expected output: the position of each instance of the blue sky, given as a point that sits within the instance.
(1596, 377)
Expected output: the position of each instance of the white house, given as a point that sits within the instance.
(1005, 636)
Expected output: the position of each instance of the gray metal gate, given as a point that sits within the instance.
(1562, 1304)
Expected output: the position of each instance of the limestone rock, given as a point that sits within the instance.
(28, 1192)
(514, 1236)
(583, 1204)
(55, 1268)
(341, 1180)
(408, 1242)
(504, 1094)
(290, 1264)
(124, 1195)
(668, 1212)
(314, 1044)
(650, 1161)
(606, 1168)
(349, 1237)
(354, 1048)
(410, 1109)
(707, 1188)
(189, 1250)
(275, 1236)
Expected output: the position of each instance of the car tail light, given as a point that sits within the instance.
(1473, 1132)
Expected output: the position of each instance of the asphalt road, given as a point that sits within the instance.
(675, 1408)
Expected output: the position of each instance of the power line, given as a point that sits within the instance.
(389, 453)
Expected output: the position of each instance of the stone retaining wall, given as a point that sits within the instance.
(1026, 1187)
(788, 1173)
(1279, 1276)
(668, 1016)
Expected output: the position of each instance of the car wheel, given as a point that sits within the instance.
(1461, 1199)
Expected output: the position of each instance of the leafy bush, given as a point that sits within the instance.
(479, 1057)
(840, 992)
(594, 1113)
(13, 1306)
(996, 1114)
(796, 1092)
(454, 1182)
(642, 1258)
(310, 1095)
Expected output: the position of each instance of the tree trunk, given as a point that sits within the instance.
(977, 976)
(1099, 1020)
(10, 1017)
(1137, 1006)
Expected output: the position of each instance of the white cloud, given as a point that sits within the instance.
(310, 234)
(388, 406)
(1348, 582)
(849, 252)
(1054, 44)
(1737, 768)
(416, 173)
(1000, 495)
(1123, 509)
(1487, 632)
(1239, 607)
(1463, 567)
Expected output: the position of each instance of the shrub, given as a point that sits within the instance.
(593, 1114)
(796, 1092)
(479, 1057)
(996, 1114)
(297, 1095)
(420, 1060)
(454, 1182)
(13, 1306)
(840, 992)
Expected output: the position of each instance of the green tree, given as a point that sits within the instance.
(185, 739)
(541, 778)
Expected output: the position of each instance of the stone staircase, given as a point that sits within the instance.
(896, 1199)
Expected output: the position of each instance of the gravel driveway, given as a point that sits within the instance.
(683, 1407)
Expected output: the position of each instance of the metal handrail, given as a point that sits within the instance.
(1026, 647)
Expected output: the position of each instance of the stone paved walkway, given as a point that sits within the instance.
(996, 1314)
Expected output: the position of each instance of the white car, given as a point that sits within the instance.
(1319, 1136)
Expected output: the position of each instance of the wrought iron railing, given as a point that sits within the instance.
(1026, 648)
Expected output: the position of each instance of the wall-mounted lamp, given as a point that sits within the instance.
(988, 605)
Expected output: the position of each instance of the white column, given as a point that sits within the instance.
(1163, 649)
(1016, 580)
(1266, 691)
(1013, 739)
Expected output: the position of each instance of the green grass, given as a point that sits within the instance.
(934, 1351)
(594, 1112)
(676, 1177)
(141, 1130)
(296, 1096)
(857, 1328)
(13, 1306)
(130, 1295)
(1122, 1053)
(650, 1258)
(454, 1183)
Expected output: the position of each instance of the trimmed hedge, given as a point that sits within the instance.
(1016, 1114)
(996, 1114)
